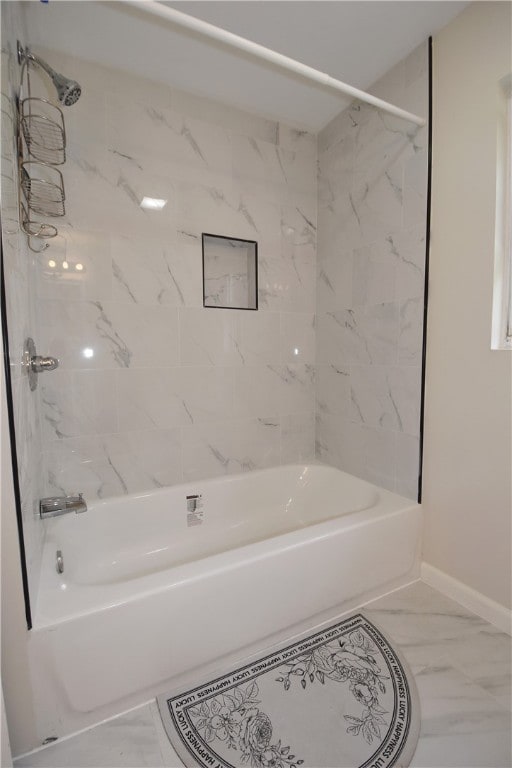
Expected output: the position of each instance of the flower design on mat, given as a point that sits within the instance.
(235, 719)
(349, 661)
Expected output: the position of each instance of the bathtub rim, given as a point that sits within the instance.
(47, 613)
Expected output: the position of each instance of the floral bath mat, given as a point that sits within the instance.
(342, 697)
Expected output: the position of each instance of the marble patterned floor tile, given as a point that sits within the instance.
(128, 741)
(462, 669)
(461, 665)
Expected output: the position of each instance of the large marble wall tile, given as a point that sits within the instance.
(157, 271)
(415, 190)
(143, 131)
(109, 465)
(286, 282)
(298, 337)
(408, 248)
(404, 384)
(256, 391)
(379, 326)
(210, 337)
(380, 457)
(334, 281)
(377, 200)
(371, 398)
(374, 275)
(230, 447)
(333, 390)
(88, 275)
(386, 397)
(131, 318)
(382, 139)
(229, 337)
(235, 120)
(339, 216)
(258, 166)
(170, 397)
(407, 465)
(340, 443)
(340, 127)
(298, 140)
(78, 403)
(218, 211)
(259, 341)
(372, 172)
(411, 332)
(356, 336)
(338, 160)
(339, 340)
(295, 384)
(104, 335)
(297, 438)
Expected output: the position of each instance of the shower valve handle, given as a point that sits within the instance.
(34, 363)
(40, 364)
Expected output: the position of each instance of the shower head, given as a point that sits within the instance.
(68, 90)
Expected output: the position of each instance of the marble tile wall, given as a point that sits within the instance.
(21, 304)
(372, 182)
(153, 389)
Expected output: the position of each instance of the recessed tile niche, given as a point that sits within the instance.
(230, 272)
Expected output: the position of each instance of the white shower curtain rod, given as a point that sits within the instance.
(261, 52)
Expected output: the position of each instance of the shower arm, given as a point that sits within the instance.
(267, 54)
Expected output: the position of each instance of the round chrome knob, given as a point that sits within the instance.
(40, 364)
(35, 363)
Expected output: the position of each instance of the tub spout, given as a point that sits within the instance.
(60, 505)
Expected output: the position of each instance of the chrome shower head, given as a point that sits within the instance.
(68, 90)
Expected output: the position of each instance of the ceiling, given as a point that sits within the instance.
(356, 42)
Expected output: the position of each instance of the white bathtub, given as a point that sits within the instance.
(144, 597)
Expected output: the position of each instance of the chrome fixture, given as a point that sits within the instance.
(59, 561)
(41, 141)
(35, 363)
(68, 90)
(61, 505)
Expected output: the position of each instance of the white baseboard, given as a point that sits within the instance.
(474, 601)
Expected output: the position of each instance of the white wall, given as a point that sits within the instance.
(467, 462)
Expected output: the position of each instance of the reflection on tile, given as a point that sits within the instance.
(104, 335)
(297, 337)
